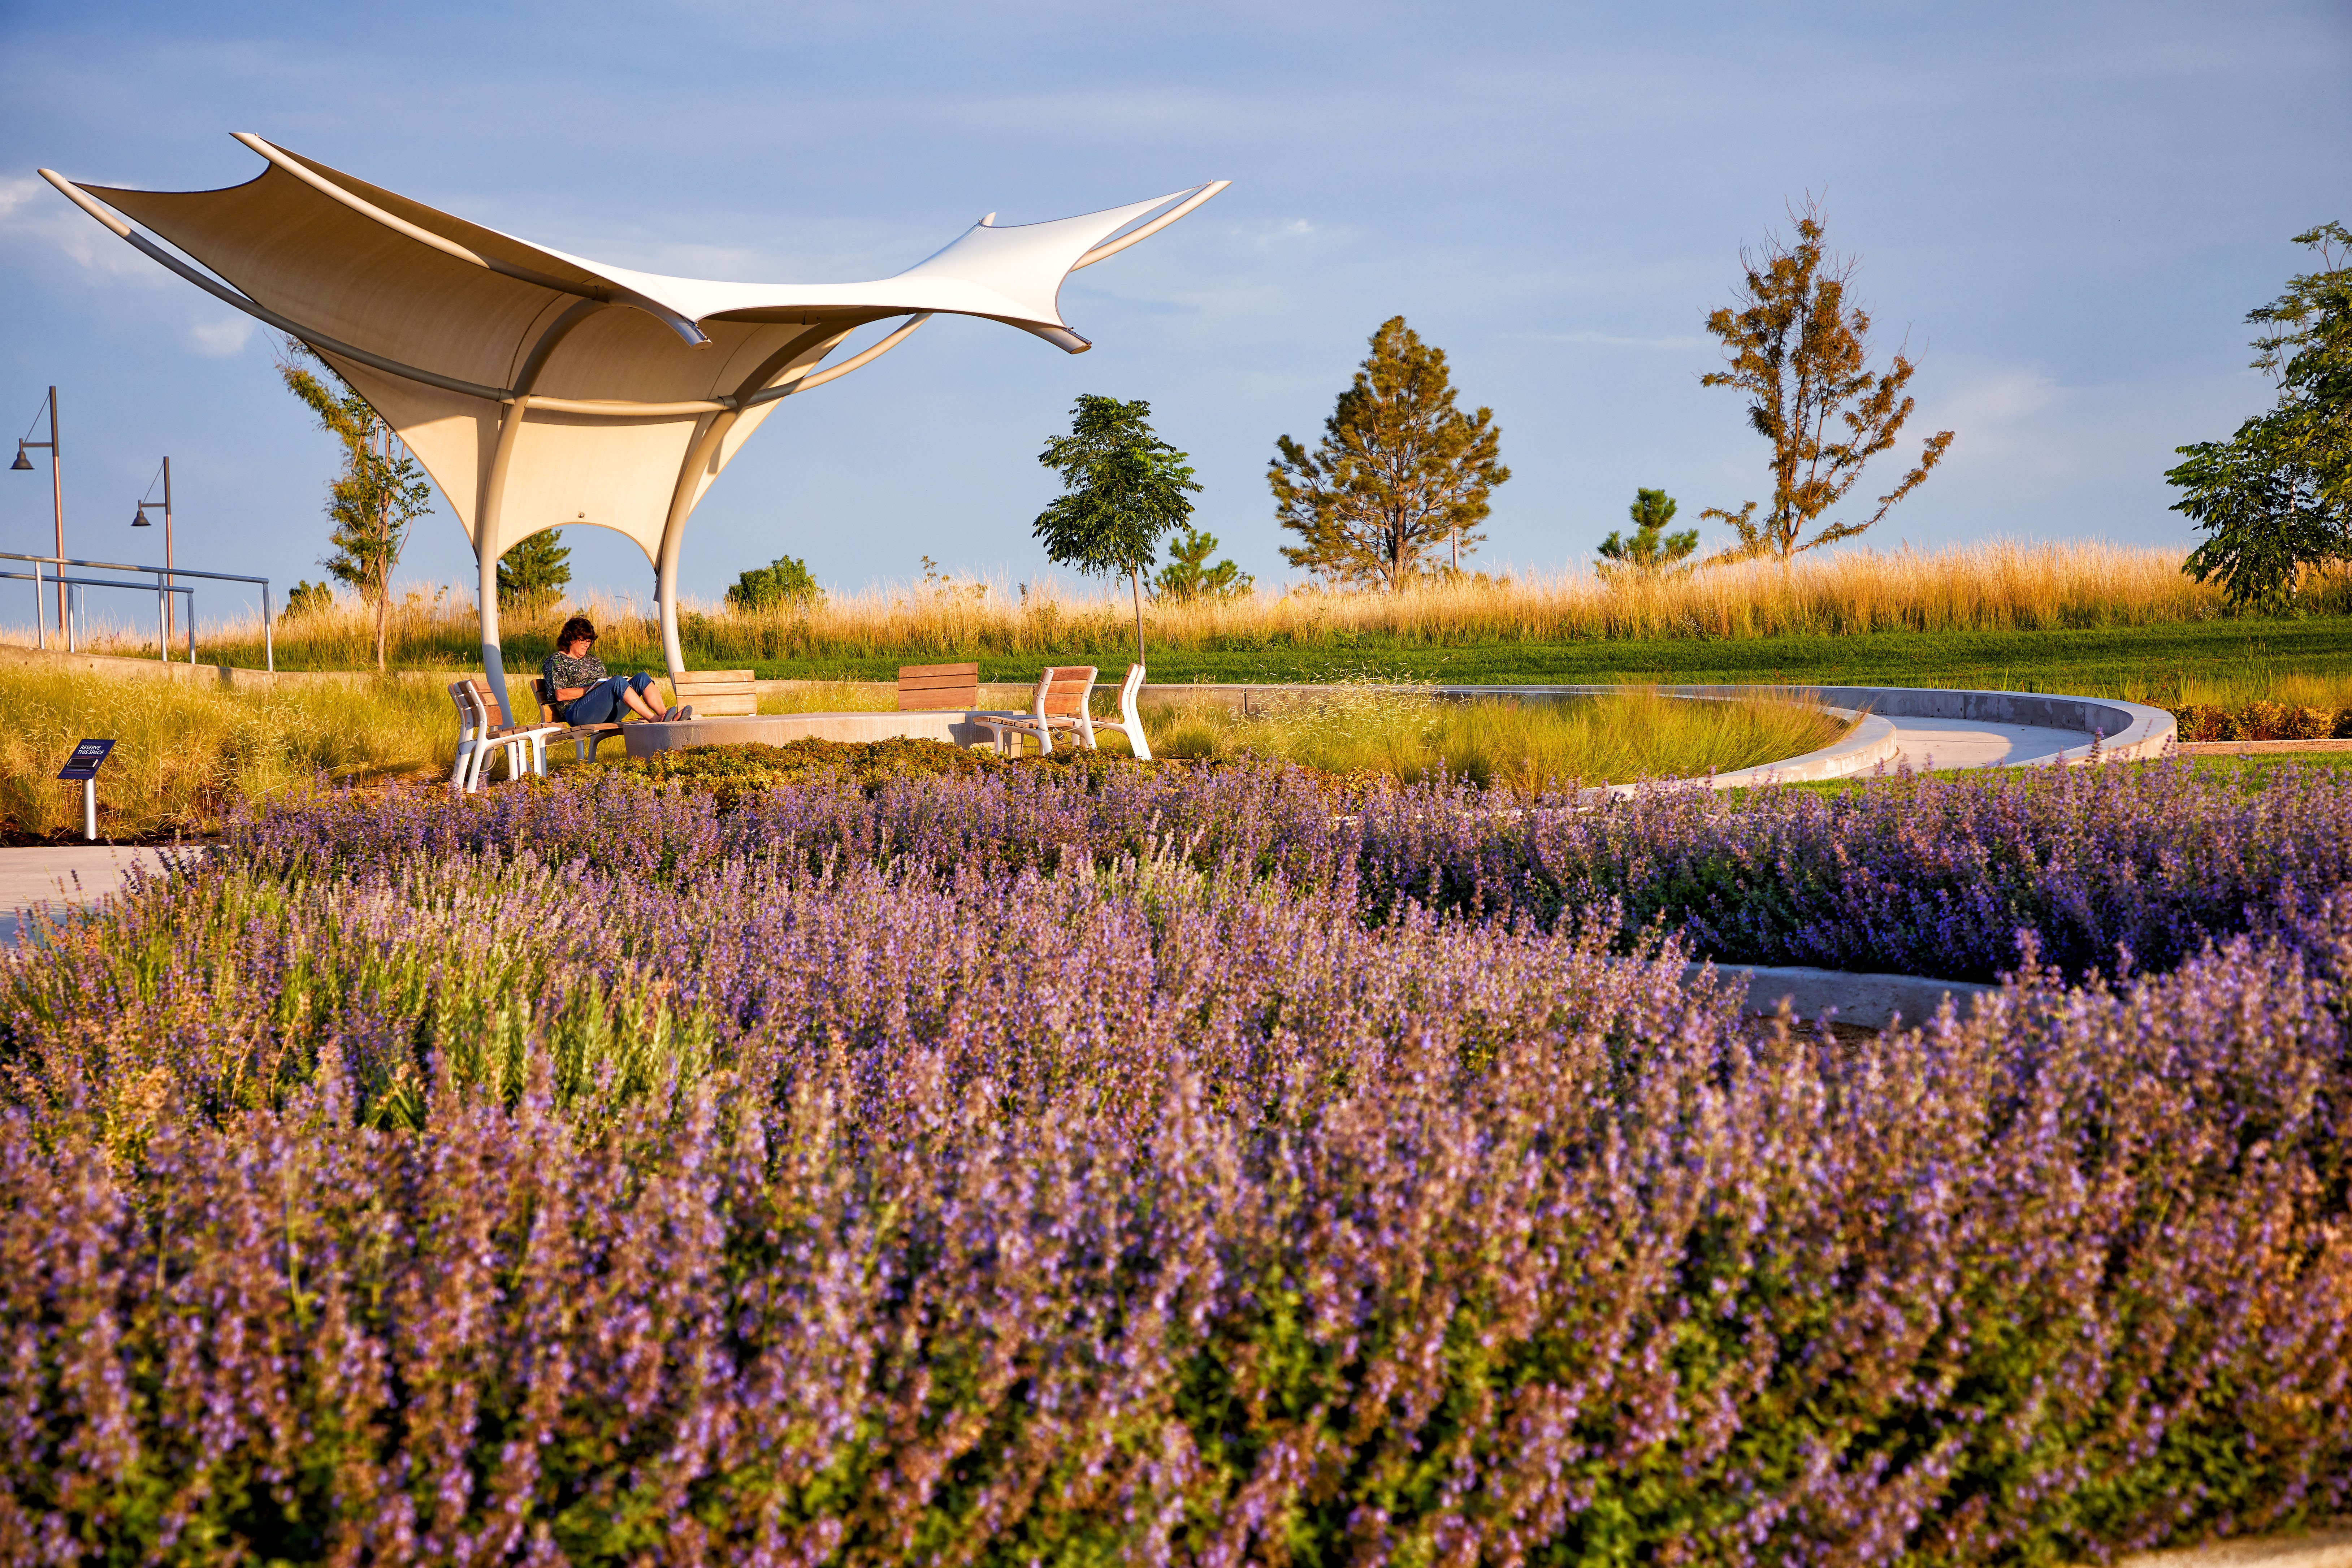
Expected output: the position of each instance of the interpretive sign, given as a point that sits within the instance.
(83, 765)
(82, 768)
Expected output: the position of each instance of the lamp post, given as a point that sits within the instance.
(23, 465)
(139, 520)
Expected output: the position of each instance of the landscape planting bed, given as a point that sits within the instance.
(1158, 1164)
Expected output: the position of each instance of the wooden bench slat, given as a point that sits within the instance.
(938, 688)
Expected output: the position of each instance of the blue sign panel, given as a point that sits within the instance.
(83, 763)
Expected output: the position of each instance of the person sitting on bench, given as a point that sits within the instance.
(582, 693)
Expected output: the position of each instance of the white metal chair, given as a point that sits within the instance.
(480, 733)
(1058, 706)
(1129, 721)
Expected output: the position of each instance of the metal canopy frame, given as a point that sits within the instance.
(541, 390)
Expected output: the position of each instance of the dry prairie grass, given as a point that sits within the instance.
(184, 753)
(1991, 588)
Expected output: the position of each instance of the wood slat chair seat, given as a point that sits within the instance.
(585, 738)
(717, 693)
(1058, 706)
(933, 687)
(480, 733)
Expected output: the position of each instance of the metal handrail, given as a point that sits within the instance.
(163, 586)
(163, 640)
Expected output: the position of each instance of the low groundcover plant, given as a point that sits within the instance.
(1158, 1167)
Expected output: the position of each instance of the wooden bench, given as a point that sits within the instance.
(479, 732)
(717, 693)
(932, 688)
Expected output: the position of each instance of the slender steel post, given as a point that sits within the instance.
(268, 632)
(162, 637)
(167, 525)
(191, 626)
(90, 809)
(40, 611)
(58, 500)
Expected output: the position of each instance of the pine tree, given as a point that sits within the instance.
(1188, 576)
(1399, 468)
(1802, 355)
(1651, 550)
(379, 494)
(534, 571)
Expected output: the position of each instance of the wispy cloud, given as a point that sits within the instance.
(32, 216)
(222, 339)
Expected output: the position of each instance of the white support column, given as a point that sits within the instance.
(665, 602)
(493, 662)
(681, 504)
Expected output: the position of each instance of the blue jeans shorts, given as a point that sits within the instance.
(602, 704)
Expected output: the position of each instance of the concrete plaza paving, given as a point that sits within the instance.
(61, 877)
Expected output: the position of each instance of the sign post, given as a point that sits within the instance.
(83, 765)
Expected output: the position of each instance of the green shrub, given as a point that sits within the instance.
(729, 773)
(786, 581)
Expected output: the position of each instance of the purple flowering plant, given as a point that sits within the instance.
(1180, 1170)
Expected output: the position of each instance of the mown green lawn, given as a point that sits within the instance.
(2098, 662)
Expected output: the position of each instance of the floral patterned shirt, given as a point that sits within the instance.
(560, 669)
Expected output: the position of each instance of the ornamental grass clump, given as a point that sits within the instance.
(1015, 1171)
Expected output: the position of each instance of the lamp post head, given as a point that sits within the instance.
(23, 465)
(139, 517)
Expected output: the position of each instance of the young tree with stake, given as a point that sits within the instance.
(1123, 487)
(1802, 354)
(380, 492)
(1399, 470)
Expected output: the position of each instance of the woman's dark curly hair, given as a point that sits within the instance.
(573, 630)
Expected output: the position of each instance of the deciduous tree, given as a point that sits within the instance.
(1399, 470)
(2277, 496)
(381, 491)
(1800, 351)
(1122, 486)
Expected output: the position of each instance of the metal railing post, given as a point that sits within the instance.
(268, 631)
(191, 626)
(40, 613)
(163, 625)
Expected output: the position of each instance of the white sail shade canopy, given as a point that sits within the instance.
(541, 390)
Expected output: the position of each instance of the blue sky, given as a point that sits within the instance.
(2068, 209)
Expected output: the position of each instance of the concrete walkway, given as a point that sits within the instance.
(57, 877)
(1924, 743)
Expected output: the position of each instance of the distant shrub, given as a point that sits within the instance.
(784, 582)
(308, 599)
